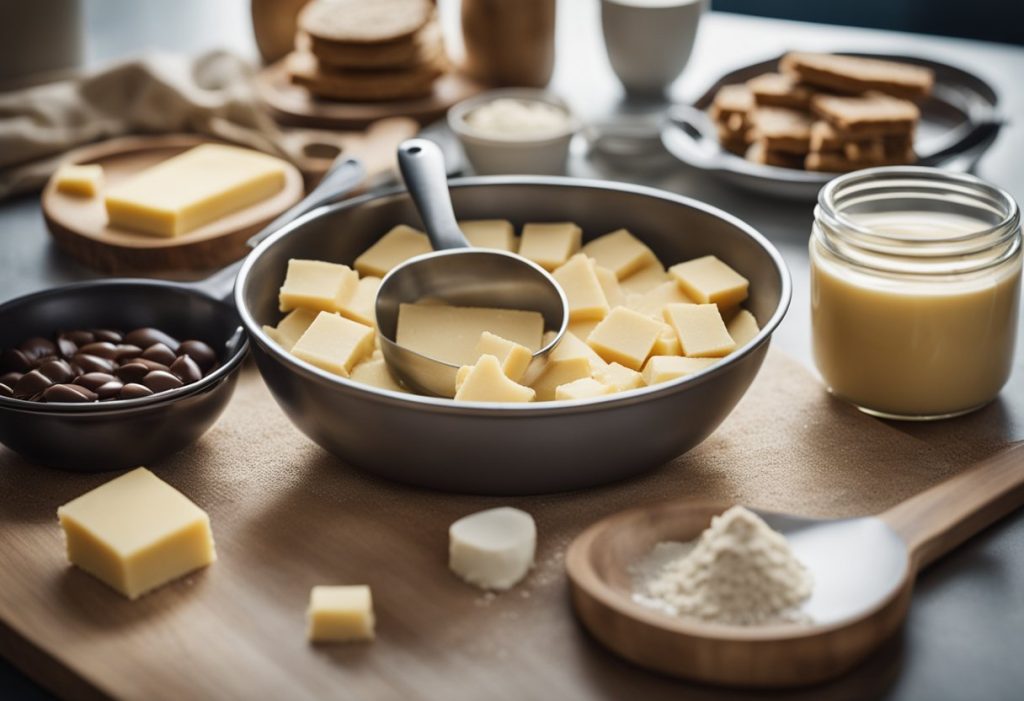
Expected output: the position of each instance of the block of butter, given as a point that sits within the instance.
(194, 188)
(340, 614)
(136, 532)
(79, 180)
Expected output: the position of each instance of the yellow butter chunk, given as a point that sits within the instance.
(654, 300)
(610, 286)
(315, 284)
(583, 290)
(550, 245)
(667, 343)
(290, 329)
(620, 252)
(374, 372)
(136, 532)
(582, 329)
(340, 614)
(701, 331)
(361, 304)
(584, 388)
(709, 280)
(645, 279)
(625, 337)
(334, 343)
(662, 368)
(514, 358)
(550, 373)
(742, 327)
(79, 180)
(487, 382)
(392, 249)
(194, 188)
(450, 334)
(619, 377)
(570, 346)
(489, 233)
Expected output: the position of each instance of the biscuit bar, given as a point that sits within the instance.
(758, 153)
(780, 90)
(782, 129)
(838, 163)
(731, 100)
(853, 74)
(871, 114)
(362, 86)
(363, 21)
(825, 138)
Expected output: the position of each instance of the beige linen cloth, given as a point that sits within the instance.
(161, 93)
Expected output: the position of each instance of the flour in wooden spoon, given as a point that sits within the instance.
(739, 572)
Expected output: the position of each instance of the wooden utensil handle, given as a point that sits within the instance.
(937, 520)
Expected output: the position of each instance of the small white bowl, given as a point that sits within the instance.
(490, 155)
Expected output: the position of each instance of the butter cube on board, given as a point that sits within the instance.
(334, 343)
(392, 249)
(625, 337)
(582, 289)
(316, 284)
(136, 533)
(290, 329)
(620, 252)
(487, 382)
(79, 180)
(709, 280)
(701, 331)
(490, 233)
(339, 614)
(194, 188)
(662, 368)
(450, 334)
(550, 245)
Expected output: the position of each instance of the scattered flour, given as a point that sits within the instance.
(739, 572)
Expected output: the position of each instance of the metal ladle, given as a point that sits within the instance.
(454, 274)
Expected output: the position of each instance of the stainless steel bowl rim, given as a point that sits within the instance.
(513, 409)
(116, 406)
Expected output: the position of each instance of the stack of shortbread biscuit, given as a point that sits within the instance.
(368, 50)
(824, 112)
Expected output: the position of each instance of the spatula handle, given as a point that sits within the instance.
(936, 521)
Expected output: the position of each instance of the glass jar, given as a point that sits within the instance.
(915, 290)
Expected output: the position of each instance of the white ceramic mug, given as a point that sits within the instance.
(649, 41)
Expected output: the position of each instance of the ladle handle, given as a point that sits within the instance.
(936, 521)
(425, 176)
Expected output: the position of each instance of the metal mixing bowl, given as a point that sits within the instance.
(513, 448)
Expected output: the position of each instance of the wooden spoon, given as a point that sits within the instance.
(864, 571)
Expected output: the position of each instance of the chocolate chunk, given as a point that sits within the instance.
(161, 381)
(135, 391)
(159, 353)
(132, 372)
(5, 390)
(126, 352)
(186, 370)
(15, 360)
(107, 335)
(57, 370)
(79, 338)
(109, 390)
(9, 378)
(31, 384)
(200, 352)
(67, 347)
(93, 380)
(101, 349)
(93, 363)
(36, 348)
(68, 393)
(145, 337)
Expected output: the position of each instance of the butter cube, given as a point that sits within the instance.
(584, 388)
(450, 334)
(625, 337)
(619, 377)
(582, 288)
(290, 329)
(315, 284)
(136, 533)
(550, 245)
(662, 368)
(552, 373)
(194, 188)
(391, 250)
(610, 286)
(514, 358)
(361, 304)
(582, 329)
(79, 180)
(570, 346)
(620, 252)
(490, 233)
(654, 300)
(487, 382)
(709, 280)
(374, 372)
(334, 343)
(645, 279)
(667, 343)
(340, 614)
(701, 331)
(742, 327)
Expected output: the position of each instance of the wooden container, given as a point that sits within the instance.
(509, 43)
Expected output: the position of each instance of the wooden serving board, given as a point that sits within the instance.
(286, 516)
(80, 228)
(294, 105)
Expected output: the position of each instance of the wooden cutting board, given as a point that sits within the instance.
(287, 516)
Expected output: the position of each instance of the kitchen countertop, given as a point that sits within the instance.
(966, 626)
